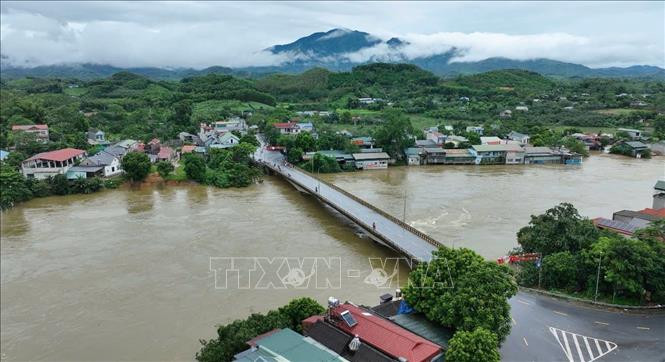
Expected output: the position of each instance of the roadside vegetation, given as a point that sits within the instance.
(232, 338)
(575, 254)
(462, 291)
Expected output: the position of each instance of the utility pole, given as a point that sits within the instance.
(404, 212)
(598, 277)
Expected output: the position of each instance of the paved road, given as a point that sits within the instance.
(610, 335)
(410, 243)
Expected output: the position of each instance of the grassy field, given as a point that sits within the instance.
(614, 111)
(213, 109)
(76, 92)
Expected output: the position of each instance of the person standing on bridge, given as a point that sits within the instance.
(374, 226)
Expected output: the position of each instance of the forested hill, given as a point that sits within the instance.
(128, 105)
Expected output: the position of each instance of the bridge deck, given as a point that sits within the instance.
(393, 232)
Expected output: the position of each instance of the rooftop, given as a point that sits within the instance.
(660, 185)
(284, 125)
(27, 127)
(636, 144)
(385, 335)
(618, 226)
(59, 155)
(498, 148)
(295, 347)
(649, 216)
(371, 156)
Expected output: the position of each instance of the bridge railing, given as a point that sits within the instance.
(397, 221)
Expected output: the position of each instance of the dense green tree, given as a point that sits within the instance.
(294, 155)
(560, 270)
(59, 184)
(575, 145)
(13, 188)
(477, 345)
(305, 142)
(136, 166)
(560, 228)
(164, 168)
(395, 134)
(459, 289)
(195, 167)
(321, 164)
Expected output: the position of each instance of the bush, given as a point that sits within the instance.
(195, 168)
(477, 345)
(233, 337)
(164, 168)
(136, 166)
(560, 270)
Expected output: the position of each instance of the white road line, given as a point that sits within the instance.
(603, 323)
(513, 319)
(523, 302)
(578, 354)
(561, 313)
(588, 348)
(644, 328)
(577, 346)
(524, 338)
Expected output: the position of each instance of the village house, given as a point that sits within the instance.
(541, 156)
(425, 143)
(522, 139)
(506, 113)
(491, 140)
(341, 157)
(456, 140)
(226, 140)
(637, 149)
(165, 153)
(188, 138)
(103, 164)
(39, 130)
(498, 154)
(285, 345)
(476, 129)
(187, 149)
(634, 134)
(522, 108)
(627, 222)
(47, 164)
(363, 142)
(96, 137)
(371, 160)
(436, 137)
(434, 155)
(458, 157)
(414, 156)
(286, 127)
(305, 127)
(373, 331)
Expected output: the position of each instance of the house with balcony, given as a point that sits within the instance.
(47, 164)
(103, 164)
(497, 154)
(39, 130)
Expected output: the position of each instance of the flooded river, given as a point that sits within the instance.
(126, 274)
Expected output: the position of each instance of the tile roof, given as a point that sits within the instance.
(188, 148)
(655, 212)
(18, 127)
(284, 125)
(102, 158)
(385, 335)
(59, 155)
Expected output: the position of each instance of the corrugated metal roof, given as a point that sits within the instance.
(498, 148)
(295, 347)
(371, 156)
(418, 324)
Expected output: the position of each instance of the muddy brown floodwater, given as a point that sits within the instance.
(126, 274)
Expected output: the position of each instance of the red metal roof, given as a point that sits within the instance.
(654, 212)
(385, 335)
(59, 155)
(284, 125)
(165, 152)
(29, 127)
(187, 148)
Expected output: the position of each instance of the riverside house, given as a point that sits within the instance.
(497, 154)
(39, 130)
(103, 164)
(47, 164)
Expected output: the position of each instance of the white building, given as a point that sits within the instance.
(47, 164)
(371, 160)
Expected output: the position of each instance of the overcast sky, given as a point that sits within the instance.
(200, 34)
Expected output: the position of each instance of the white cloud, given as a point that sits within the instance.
(174, 34)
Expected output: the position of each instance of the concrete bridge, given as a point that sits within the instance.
(376, 223)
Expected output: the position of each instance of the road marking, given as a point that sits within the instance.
(603, 323)
(524, 338)
(523, 302)
(513, 319)
(644, 328)
(582, 352)
(561, 313)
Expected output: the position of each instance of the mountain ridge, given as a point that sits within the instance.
(335, 50)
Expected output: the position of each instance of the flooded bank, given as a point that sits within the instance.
(126, 274)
